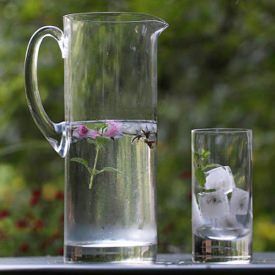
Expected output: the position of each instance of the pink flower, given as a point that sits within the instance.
(113, 130)
(83, 132)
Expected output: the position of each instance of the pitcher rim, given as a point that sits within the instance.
(150, 18)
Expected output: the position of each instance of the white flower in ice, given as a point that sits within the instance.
(220, 178)
(239, 202)
(229, 221)
(213, 204)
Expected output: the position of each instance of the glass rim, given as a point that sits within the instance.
(138, 17)
(221, 130)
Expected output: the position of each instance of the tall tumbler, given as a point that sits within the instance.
(222, 195)
(109, 134)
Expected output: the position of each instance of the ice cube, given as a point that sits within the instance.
(239, 202)
(229, 221)
(213, 204)
(220, 178)
(197, 219)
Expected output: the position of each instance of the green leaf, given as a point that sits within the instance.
(82, 161)
(99, 172)
(210, 166)
(101, 141)
(95, 172)
(102, 125)
(110, 169)
(97, 126)
(205, 154)
(196, 156)
(209, 190)
(200, 176)
(91, 141)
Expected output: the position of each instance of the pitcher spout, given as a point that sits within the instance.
(158, 25)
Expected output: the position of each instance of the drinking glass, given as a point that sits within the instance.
(222, 195)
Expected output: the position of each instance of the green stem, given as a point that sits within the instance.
(94, 168)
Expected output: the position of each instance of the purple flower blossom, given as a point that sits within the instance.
(114, 130)
(83, 132)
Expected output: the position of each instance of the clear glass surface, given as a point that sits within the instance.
(111, 66)
(222, 195)
(109, 134)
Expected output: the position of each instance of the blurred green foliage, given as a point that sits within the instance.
(216, 65)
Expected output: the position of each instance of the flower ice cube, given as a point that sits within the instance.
(213, 204)
(229, 221)
(239, 201)
(220, 178)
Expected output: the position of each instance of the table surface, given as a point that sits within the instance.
(165, 264)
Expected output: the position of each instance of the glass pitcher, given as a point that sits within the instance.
(109, 134)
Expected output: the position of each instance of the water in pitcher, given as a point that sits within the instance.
(110, 186)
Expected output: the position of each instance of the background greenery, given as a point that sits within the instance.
(216, 66)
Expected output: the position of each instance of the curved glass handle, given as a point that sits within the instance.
(55, 133)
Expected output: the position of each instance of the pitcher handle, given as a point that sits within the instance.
(55, 133)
